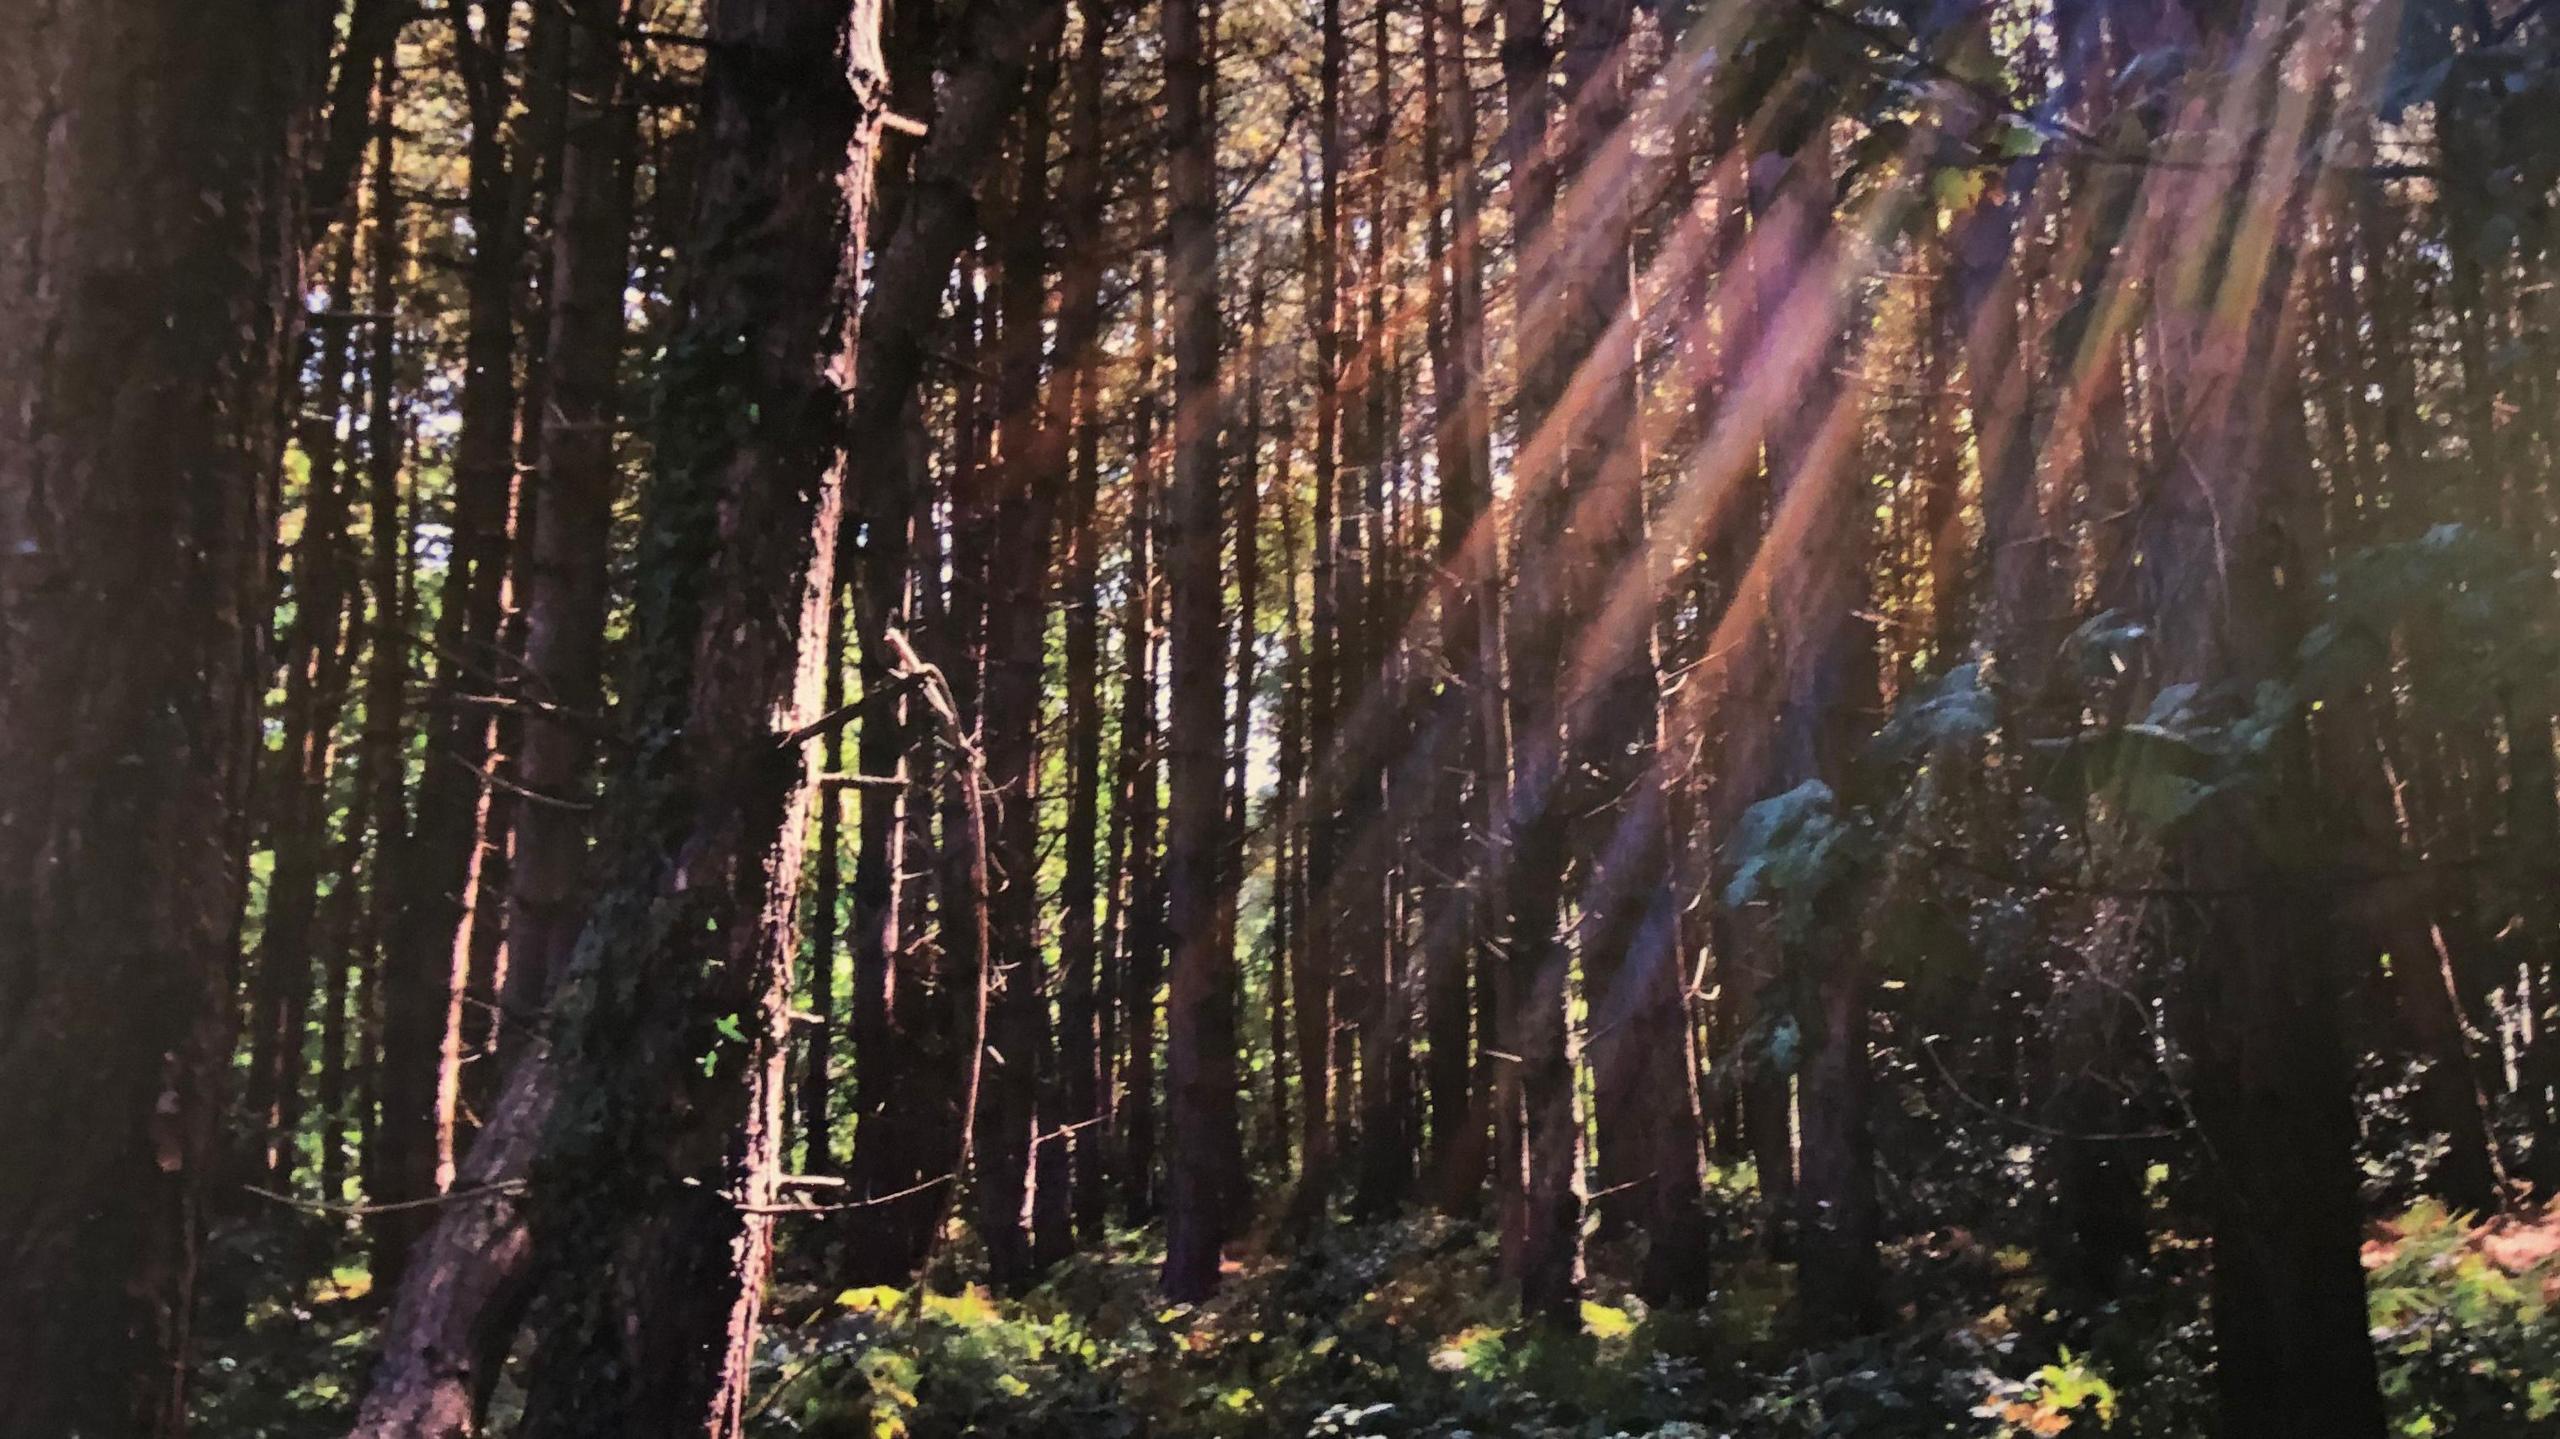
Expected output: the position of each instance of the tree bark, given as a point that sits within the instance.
(1141, 942)
(1019, 518)
(567, 586)
(2255, 1003)
(657, 1160)
(1205, 1159)
(150, 247)
(381, 768)
(1079, 957)
(1545, 1256)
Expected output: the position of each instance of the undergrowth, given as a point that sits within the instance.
(1402, 1330)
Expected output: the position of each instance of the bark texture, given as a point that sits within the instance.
(149, 256)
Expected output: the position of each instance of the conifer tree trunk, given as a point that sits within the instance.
(427, 959)
(1245, 499)
(316, 663)
(1079, 939)
(814, 1086)
(1204, 1154)
(644, 1161)
(1448, 158)
(566, 588)
(2255, 1003)
(1071, 461)
(341, 927)
(1140, 966)
(1545, 1254)
(933, 209)
(1825, 690)
(381, 769)
(149, 255)
(1373, 999)
(1081, 1054)
(1019, 516)
(1317, 973)
(1646, 1114)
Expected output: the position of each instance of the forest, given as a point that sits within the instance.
(1612, 719)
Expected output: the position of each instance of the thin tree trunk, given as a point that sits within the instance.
(1079, 1039)
(1314, 981)
(381, 765)
(1246, 497)
(567, 586)
(1016, 634)
(1205, 1159)
(1545, 1259)
(316, 665)
(1142, 928)
(815, 1102)
(1072, 1165)
(427, 958)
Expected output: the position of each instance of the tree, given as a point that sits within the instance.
(149, 254)
(1545, 1254)
(1205, 1158)
(636, 1152)
(566, 586)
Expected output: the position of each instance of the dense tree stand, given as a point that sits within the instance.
(741, 718)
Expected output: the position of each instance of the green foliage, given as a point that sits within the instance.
(2464, 1327)
(884, 1362)
(293, 1363)
(1403, 1330)
(2191, 746)
(1793, 851)
(1955, 710)
(2469, 612)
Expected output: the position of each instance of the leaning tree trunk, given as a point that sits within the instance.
(659, 1167)
(650, 1135)
(900, 1141)
(149, 250)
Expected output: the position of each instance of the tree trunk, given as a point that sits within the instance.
(815, 1086)
(1016, 545)
(1205, 1159)
(2256, 1003)
(1314, 982)
(1469, 559)
(317, 658)
(567, 587)
(658, 1163)
(381, 765)
(908, 1079)
(149, 258)
(427, 958)
(1545, 1259)
(1079, 956)
(1142, 921)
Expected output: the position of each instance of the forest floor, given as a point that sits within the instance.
(1400, 1329)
